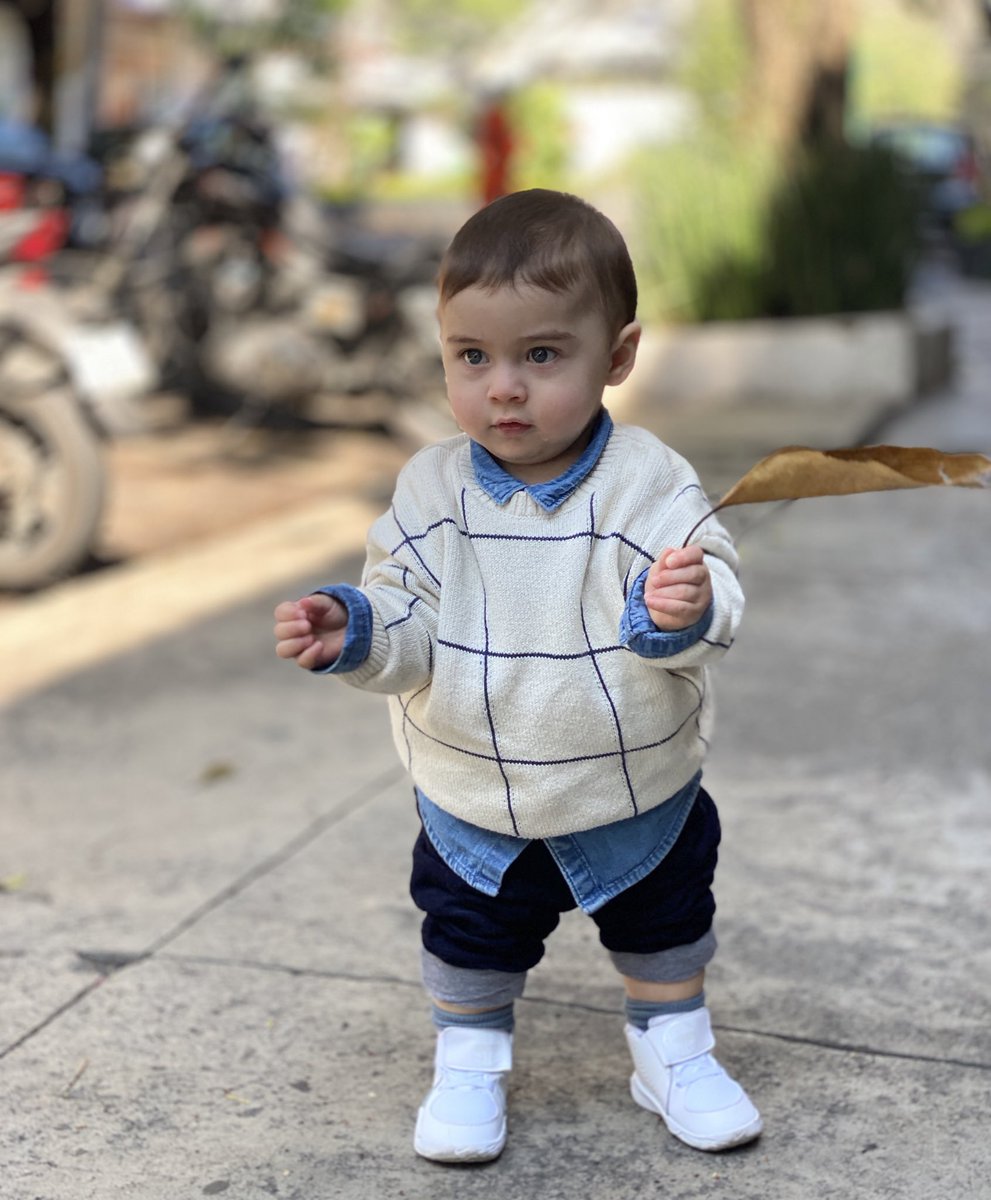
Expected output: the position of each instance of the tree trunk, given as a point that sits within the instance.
(800, 52)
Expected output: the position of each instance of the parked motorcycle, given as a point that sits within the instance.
(69, 378)
(253, 300)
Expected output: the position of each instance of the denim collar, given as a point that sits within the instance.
(501, 486)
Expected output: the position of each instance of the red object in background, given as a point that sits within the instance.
(11, 191)
(967, 168)
(495, 144)
(45, 239)
(45, 235)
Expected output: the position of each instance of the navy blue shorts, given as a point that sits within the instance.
(672, 906)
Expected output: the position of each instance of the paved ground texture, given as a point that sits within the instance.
(210, 980)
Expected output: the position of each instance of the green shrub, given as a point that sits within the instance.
(542, 137)
(902, 63)
(725, 232)
(841, 234)
(974, 224)
(698, 237)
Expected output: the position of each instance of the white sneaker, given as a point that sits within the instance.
(677, 1078)
(463, 1118)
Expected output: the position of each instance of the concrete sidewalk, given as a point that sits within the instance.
(211, 963)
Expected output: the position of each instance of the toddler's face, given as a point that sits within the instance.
(525, 373)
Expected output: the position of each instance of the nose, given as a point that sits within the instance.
(506, 383)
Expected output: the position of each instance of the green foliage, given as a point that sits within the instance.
(716, 66)
(538, 117)
(698, 238)
(974, 224)
(902, 65)
(841, 235)
(725, 229)
(398, 186)
(540, 158)
(369, 138)
(443, 27)
(725, 232)
(297, 23)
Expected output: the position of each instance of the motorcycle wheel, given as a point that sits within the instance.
(52, 487)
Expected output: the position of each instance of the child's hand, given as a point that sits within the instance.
(310, 630)
(678, 589)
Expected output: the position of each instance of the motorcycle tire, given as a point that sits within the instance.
(52, 488)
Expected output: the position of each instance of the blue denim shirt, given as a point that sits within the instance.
(598, 863)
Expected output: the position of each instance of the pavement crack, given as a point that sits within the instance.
(576, 1006)
(271, 862)
(110, 964)
(249, 964)
(799, 1040)
(855, 1048)
(52, 1017)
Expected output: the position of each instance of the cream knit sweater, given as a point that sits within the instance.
(514, 702)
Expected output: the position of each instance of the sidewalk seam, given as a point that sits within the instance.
(739, 1030)
(315, 829)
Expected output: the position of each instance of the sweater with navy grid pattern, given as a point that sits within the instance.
(516, 700)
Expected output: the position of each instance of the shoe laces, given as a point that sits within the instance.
(702, 1067)
(456, 1077)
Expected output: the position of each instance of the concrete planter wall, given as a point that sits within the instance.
(876, 357)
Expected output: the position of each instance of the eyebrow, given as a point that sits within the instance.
(549, 335)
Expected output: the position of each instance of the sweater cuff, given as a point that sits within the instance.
(357, 635)
(637, 631)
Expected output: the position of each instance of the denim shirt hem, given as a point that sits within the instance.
(597, 864)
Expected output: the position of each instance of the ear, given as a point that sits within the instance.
(624, 353)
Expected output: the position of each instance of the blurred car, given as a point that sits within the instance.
(941, 158)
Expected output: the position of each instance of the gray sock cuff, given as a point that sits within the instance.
(473, 989)
(640, 1012)
(493, 1018)
(667, 966)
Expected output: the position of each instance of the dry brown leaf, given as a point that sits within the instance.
(798, 472)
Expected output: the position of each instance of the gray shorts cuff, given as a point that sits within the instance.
(666, 966)
(462, 985)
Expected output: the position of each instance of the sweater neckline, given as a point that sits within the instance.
(501, 486)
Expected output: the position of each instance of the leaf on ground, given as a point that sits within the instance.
(108, 961)
(214, 772)
(798, 473)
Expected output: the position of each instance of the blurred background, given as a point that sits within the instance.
(220, 219)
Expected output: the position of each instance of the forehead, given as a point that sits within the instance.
(524, 306)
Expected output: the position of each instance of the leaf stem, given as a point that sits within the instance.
(702, 520)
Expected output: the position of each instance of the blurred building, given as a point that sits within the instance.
(73, 66)
(27, 60)
(79, 65)
(611, 59)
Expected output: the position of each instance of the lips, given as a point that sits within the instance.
(512, 426)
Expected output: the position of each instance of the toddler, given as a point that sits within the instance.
(543, 640)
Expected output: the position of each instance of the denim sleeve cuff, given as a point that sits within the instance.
(357, 636)
(638, 632)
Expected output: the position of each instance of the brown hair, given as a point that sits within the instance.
(544, 239)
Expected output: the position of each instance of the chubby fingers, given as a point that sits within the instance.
(293, 629)
(686, 556)
(678, 588)
(311, 656)
(679, 568)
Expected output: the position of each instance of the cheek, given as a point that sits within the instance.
(567, 407)
(461, 405)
